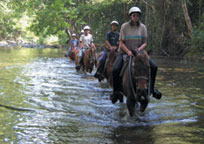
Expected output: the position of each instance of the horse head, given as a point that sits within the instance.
(140, 74)
(89, 59)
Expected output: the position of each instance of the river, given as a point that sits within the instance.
(44, 100)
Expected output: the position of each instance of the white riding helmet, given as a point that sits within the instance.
(82, 31)
(114, 22)
(134, 10)
(87, 28)
(73, 34)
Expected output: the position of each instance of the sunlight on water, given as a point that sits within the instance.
(52, 103)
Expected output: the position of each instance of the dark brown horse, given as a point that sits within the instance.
(136, 81)
(107, 72)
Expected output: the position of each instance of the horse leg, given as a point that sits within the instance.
(143, 105)
(131, 106)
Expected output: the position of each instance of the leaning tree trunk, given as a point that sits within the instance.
(187, 18)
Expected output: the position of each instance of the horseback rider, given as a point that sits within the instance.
(112, 43)
(86, 41)
(133, 35)
(74, 43)
(82, 32)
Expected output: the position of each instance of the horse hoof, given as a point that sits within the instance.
(113, 98)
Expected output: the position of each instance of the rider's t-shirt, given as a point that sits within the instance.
(133, 36)
(86, 40)
(113, 38)
(75, 43)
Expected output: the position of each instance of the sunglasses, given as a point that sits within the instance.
(135, 15)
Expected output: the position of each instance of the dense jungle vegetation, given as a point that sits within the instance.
(175, 27)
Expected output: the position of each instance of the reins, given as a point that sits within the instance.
(130, 78)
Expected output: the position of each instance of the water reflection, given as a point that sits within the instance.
(71, 107)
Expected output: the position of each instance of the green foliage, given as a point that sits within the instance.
(164, 20)
(198, 38)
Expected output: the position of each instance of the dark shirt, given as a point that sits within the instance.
(113, 38)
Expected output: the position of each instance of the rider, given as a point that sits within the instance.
(133, 35)
(74, 43)
(82, 32)
(86, 41)
(112, 43)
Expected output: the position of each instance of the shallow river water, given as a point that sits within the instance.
(43, 100)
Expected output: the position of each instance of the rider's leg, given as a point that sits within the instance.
(154, 68)
(80, 58)
(102, 62)
(117, 82)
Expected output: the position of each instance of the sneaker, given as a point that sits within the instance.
(78, 67)
(157, 94)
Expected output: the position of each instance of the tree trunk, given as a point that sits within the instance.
(125, 11)
(147, 16)
(187, 18)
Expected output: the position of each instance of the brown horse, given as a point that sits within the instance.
(89, 59)
(76, 58)
(109, 66)
(136, 81)
(72, 53)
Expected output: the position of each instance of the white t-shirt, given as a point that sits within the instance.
(86, 40)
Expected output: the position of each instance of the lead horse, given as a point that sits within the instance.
(136, 81)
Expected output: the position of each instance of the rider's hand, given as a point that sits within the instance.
(130, 53)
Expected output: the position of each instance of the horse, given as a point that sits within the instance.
(107, 72)
(76, 58)
(109, 66)
(136, 81)
(72, 53)
(88, 61)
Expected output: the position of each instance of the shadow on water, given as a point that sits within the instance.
(71, 107)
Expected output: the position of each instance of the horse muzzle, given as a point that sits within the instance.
(142, 94)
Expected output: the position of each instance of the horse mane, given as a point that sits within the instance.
(112, 55)
(143, 56)
(141, 64)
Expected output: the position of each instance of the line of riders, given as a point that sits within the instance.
(124, 62)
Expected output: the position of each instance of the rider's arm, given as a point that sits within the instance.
(125, 49)
(108, 46)
(93, 45)
(142, 47)
(144, 39)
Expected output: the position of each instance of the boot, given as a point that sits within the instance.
(157, 94)
(116, 96)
